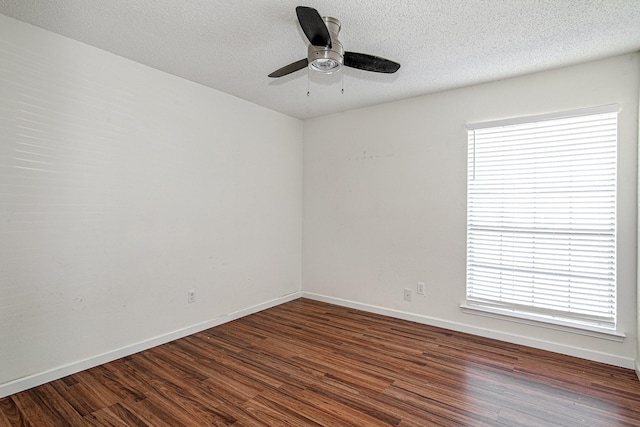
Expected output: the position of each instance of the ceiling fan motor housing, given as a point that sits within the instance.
(326, 59)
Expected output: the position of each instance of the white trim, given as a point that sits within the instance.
(582, 353)
(637, 366)
(40, 378)
(611, 108)
(541, 321)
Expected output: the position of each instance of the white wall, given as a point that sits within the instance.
(121, 188)
(385, 193)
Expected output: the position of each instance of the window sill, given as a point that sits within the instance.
(541, 321)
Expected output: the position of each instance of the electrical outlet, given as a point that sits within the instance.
(420, 288)
(407, 294)
(191, 296)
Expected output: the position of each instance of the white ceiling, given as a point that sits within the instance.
(441, 44)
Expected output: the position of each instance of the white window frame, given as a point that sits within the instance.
(481, 298)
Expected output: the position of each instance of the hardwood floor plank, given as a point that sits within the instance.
(10, 415)
(47, 407)
(81, 397)
(440, 411)
(184, 395)
(112, 380)
(280, 409)
(116, 416)
(307, 363)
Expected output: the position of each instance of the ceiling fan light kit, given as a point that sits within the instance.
(327, 59)
(325, 53)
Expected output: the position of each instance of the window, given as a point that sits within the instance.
(541, 217)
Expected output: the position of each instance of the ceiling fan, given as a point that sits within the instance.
(325, 53)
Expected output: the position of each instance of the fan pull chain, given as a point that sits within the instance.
(342, 91)
(306, 101)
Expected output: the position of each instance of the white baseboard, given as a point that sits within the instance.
(35, 380)
(40, 378)
(582, 353)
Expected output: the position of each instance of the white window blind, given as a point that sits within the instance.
(541, 217)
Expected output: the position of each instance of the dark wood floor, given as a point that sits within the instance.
(307, 363)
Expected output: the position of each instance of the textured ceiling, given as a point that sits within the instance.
(442, 44)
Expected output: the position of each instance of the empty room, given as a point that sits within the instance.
(364, 213)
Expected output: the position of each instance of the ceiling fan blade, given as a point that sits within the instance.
(313, 26)
(291, 68)
(362, 61)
